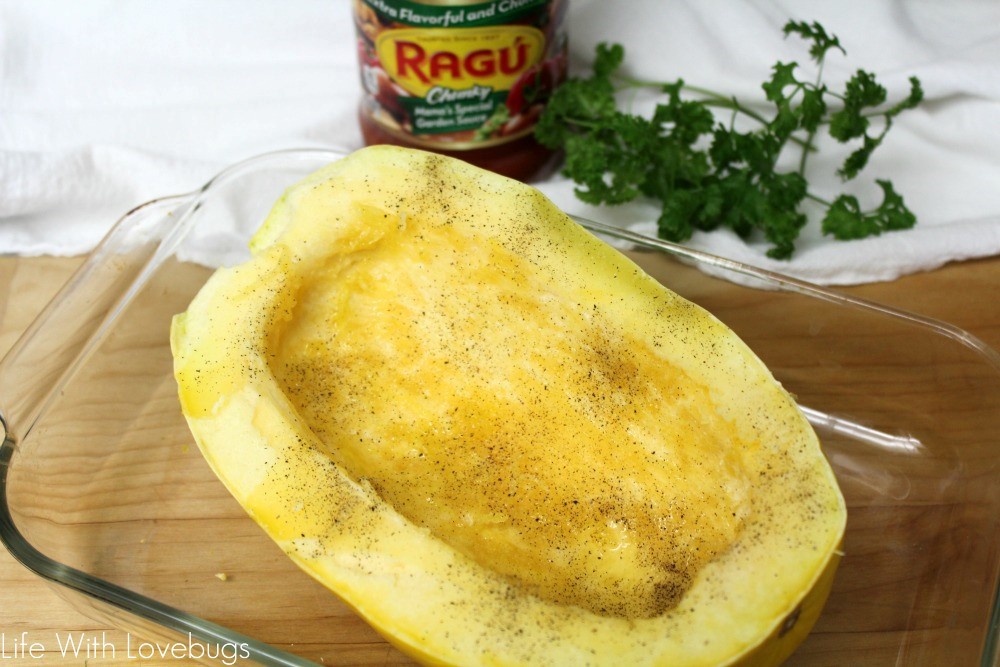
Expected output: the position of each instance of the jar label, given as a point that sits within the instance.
(462, 76)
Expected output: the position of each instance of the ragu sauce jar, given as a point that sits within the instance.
(468, 79)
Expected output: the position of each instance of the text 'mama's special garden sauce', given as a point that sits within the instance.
(468, 79)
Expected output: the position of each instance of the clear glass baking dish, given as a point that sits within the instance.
(103, 493)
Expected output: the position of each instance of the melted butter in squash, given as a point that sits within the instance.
(514, 420)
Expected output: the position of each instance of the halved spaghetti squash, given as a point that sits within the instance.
(496, 438)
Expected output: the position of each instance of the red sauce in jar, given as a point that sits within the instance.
(467, 79)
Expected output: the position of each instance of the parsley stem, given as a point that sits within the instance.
(819, 200)
(807, 147)
(811, 136)
(714, 99)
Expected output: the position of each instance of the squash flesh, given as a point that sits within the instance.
(395, 341)
(494, 410)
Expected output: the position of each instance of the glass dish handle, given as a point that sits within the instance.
(57, 341)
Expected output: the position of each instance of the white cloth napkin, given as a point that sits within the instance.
(108, 103)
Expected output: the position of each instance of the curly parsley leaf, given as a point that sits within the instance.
(706, 174)
(815, 33)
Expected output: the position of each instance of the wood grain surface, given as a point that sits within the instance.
(37, 620)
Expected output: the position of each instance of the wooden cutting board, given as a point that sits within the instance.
(35, 620)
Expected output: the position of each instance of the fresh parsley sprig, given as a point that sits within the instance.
(707, 173)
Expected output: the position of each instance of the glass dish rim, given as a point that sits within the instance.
(176, 620)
